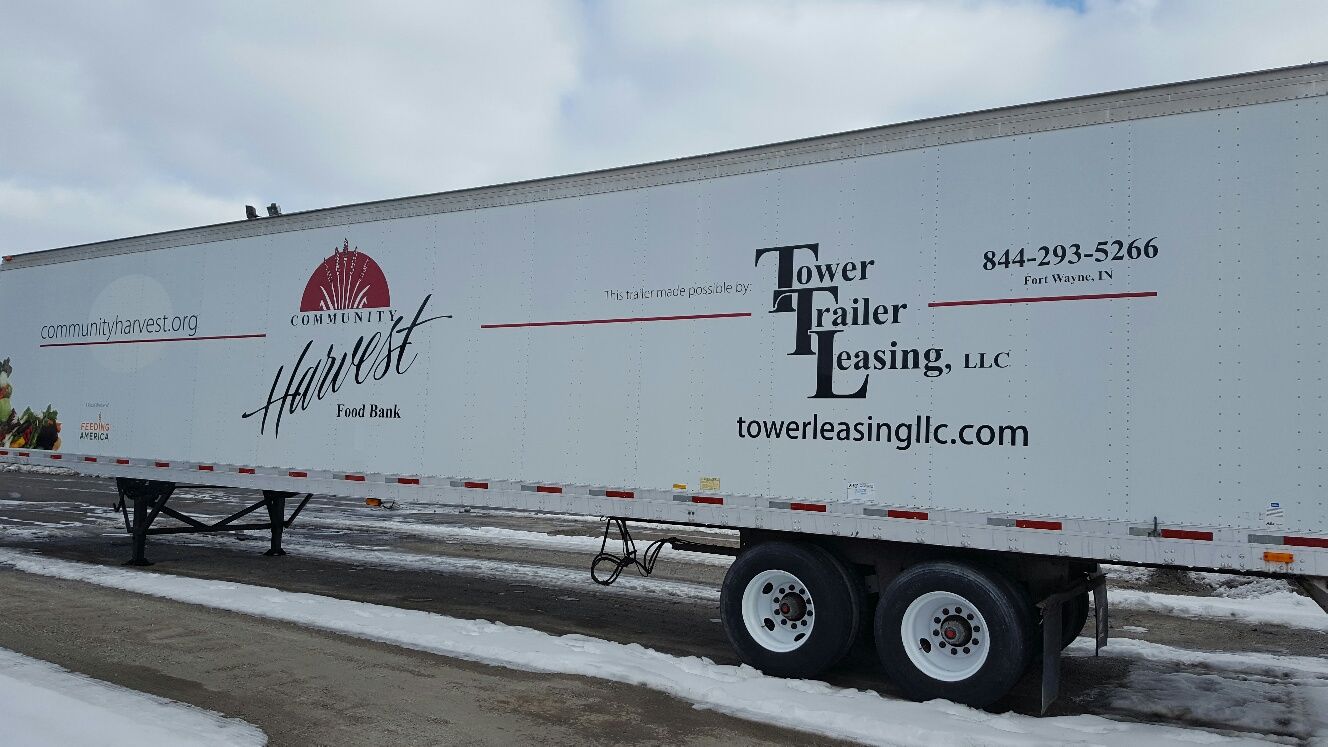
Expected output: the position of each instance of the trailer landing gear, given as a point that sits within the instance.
(149, 498)
(276, 509)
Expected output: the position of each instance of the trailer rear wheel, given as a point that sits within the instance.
(790, 609)
(946, 630)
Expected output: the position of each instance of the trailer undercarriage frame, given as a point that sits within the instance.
(150, 498)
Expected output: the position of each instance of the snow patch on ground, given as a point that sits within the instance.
(741, 691)
(521, 572)
(1244, 587)
(1127, 573)
(503, 536)
(1282, 608)
(43, 704)
(411, 507)
(1253, 703)
(1267, 693)
(1280, 665)
(36, 469)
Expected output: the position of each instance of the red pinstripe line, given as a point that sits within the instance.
(621, 320)
(1040, 299)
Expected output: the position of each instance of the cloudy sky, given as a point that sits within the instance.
(123, 117)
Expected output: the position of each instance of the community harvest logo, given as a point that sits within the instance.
(349, 279)
(348, 290)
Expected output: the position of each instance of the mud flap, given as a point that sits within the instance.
(1100, 611)
(1051, 647)
(1052, 609)
(1316, 588)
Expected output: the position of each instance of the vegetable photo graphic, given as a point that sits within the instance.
(5, 390)
(29, 430)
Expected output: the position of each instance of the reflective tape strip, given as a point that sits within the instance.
(541, 488)
(708, 500)
(619, 494)
(3, 452)
(122, 461)
(57, 457)
(1186, 534)
(1288, 540)
(204, 468)
(408, 480)
(90, 459)
(1305, 541)
(817, 508)
(163, 464)
(469, 484)
(24, 454)
(297, 473)
(246, 470)
(898, 514)
(1053, 526)
(353, 478)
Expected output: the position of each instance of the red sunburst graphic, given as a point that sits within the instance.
(349, 279)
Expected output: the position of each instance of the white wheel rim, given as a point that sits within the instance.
(945, 636)
(778, 611)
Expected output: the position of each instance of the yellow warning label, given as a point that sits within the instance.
(679, 486)
(710, 484)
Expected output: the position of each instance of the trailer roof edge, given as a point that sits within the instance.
(1206, 94)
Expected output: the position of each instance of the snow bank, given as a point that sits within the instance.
(36, 469)
(1245, 662)
(1276, 608)
(42, 704)
(740, 691)
(1243, 587)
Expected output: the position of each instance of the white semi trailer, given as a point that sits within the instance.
(933, 373)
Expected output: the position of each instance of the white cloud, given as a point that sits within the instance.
(83, 215)
(141, 116)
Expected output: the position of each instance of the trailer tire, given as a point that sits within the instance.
(790, 609)
(947, 630)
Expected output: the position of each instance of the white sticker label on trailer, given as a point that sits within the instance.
(862, 491)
